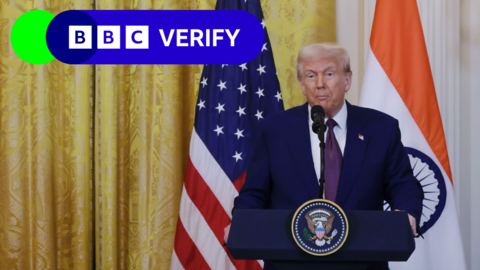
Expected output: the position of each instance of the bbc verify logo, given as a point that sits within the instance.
(142, 37)
(108, 37)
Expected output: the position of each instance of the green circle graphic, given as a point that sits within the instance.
(29, 37)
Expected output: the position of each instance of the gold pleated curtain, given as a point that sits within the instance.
(92, 158)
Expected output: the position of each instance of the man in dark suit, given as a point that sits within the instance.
(365, 161)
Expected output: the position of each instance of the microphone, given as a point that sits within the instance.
(318, 118)
(318, 126)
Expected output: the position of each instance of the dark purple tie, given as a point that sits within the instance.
(333, 163)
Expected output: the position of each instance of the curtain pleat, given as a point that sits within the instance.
(145, 118)
(45, 155)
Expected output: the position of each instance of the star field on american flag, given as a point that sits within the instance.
(231, 101)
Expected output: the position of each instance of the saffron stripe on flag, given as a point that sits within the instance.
(410, 60)
(379, 93)
(389, 101)
(398, 81)
(202, 236)
(188, 255)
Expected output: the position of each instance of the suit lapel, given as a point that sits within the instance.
(300, 149)
(353, 154)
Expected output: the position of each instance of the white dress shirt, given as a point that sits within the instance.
(340, 131)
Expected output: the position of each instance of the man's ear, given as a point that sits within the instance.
(348, 81)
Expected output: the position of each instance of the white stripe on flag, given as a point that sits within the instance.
(202, 236)
(175, 264)
(212, 173)
(379, 93)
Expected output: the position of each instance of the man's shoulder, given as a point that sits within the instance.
(371, 116)
(293, 116)
(372, 122)
(281, 119)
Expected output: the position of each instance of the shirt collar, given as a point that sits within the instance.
(340, 117)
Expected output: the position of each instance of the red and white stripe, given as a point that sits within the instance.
(399, 82)
(205, 211)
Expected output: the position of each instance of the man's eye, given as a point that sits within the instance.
(330, 74)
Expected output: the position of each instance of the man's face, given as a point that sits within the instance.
(324, 83)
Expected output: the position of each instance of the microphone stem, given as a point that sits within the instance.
(321, 137)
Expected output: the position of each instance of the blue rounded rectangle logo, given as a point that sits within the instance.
(155, 37)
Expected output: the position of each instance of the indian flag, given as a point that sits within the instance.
(398, 81)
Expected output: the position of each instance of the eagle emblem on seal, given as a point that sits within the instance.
(320, 224)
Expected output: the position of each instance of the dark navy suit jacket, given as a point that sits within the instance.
(281, 173)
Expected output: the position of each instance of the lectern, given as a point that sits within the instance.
(374, 236)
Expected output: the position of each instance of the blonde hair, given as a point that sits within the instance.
(319, 51)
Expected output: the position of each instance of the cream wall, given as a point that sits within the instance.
(452, 35)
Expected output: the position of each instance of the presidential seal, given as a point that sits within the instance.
(320, 227)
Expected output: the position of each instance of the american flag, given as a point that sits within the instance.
(231, 101)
